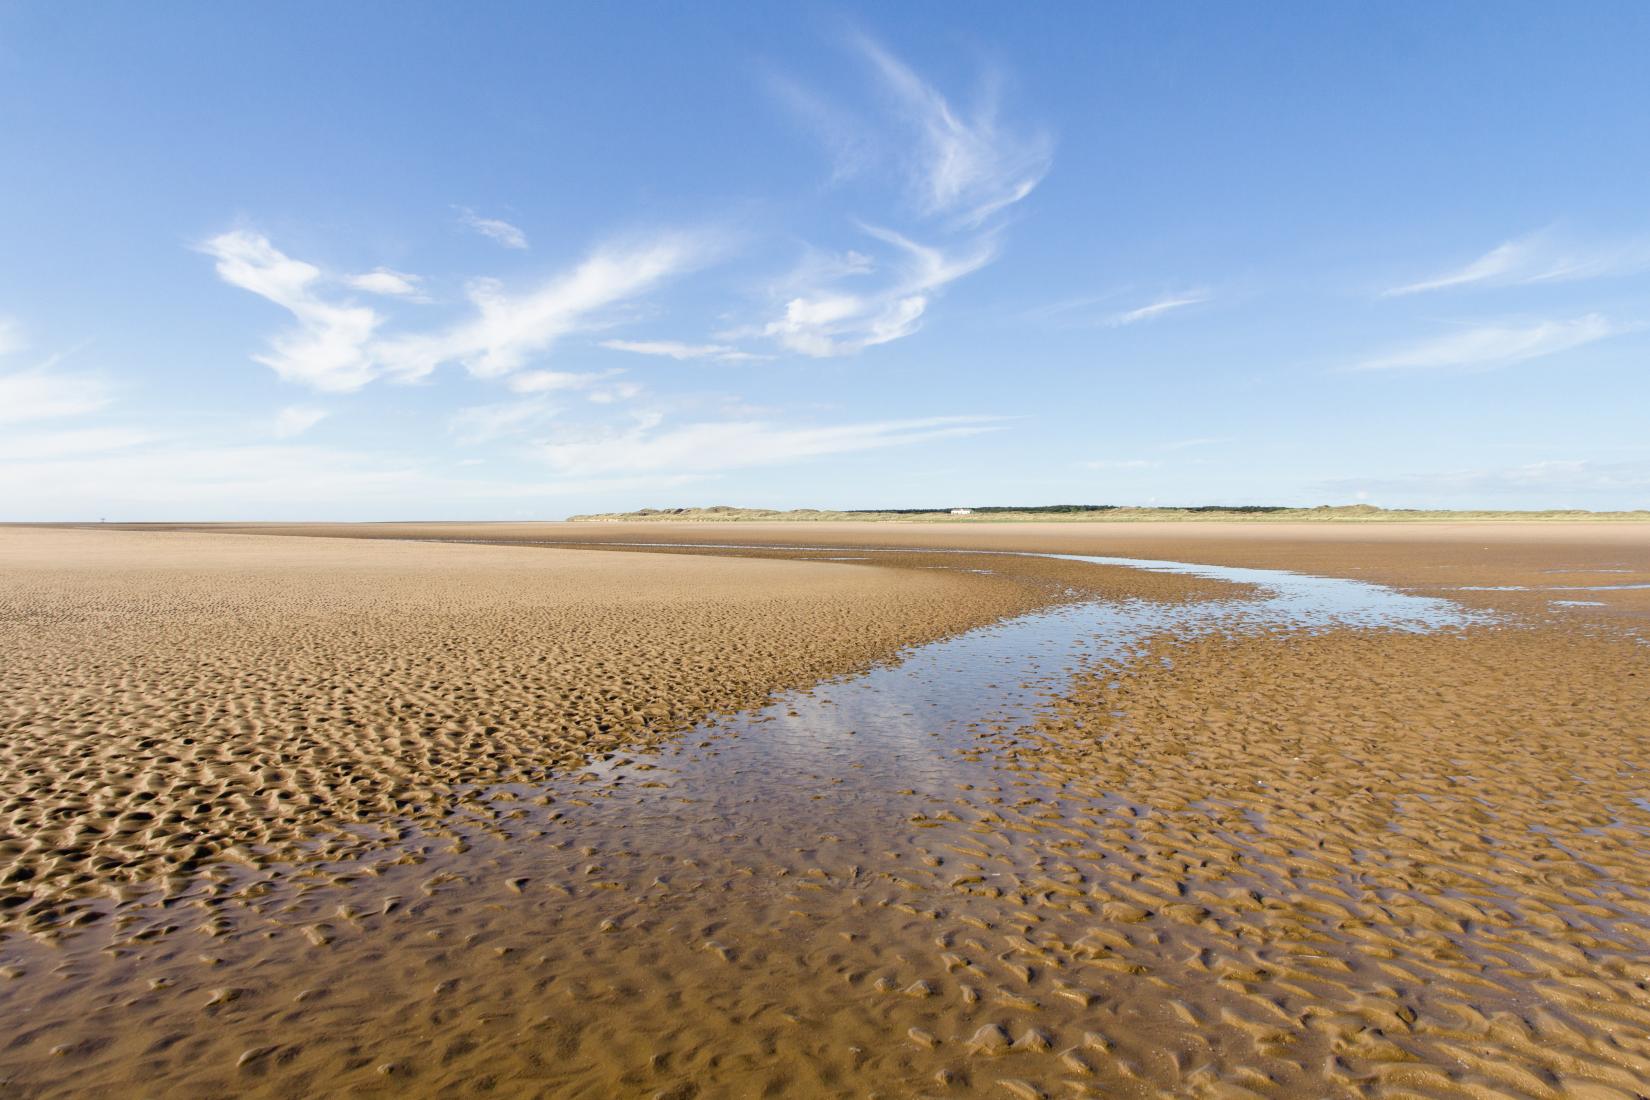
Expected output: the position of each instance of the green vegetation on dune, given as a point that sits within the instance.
(1107, 513)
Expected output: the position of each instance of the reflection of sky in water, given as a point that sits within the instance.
(1306, 600)
(1548, 587)
(841, 751)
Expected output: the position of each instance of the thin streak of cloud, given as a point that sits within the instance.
(675, 349)
(725, 445)
(1153, 310)
(1536, 258)
(1489, 346)
(295, 420)
(545, 381)
(495, 229)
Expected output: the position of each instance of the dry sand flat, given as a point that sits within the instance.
(1256, 863)
(1422, 555)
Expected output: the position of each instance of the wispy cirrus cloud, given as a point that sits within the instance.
(337, 345)
(1536, 258)
(730, 444)
(1155, 309)
(509, 329)
(495, 229)
(545, 381)
(963, 165)
(961, 169)
(295, 420)
(831, 321)
(675, 349)
(1486, 347)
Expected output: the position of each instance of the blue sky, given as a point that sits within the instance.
(377, 261)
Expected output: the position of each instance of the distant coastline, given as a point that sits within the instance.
(1092, 513)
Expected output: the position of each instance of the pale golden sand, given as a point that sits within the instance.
(172, 698)
(1424, 556)
(1280, 864)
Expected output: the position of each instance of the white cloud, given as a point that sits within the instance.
(485, 423)
(329, 348)
(828, 321)
(965, 165)
(493, 228)
(1489, 346)
(543, 381)
(731, 444)
(674, 349)
(508, 329)
(1121, 464)
(1539, 257)
(1158, 308)
(393, 284)
(852, 144)
(40, 394)
(295, 420)
(336, 347)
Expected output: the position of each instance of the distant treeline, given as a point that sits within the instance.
(1065, 509)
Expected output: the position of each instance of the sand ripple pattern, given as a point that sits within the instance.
(168, 700)
(1272, 862)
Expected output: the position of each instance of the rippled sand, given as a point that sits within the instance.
(174, 698)
(1253, 863)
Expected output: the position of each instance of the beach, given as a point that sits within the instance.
(517, 809)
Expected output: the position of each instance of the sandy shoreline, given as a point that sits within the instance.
(1437, 555)
(173, 698)
(1257, 863)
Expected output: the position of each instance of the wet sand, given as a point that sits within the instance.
(1275, 859)
(174, 698)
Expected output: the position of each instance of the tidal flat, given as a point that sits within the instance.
(825, 810)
